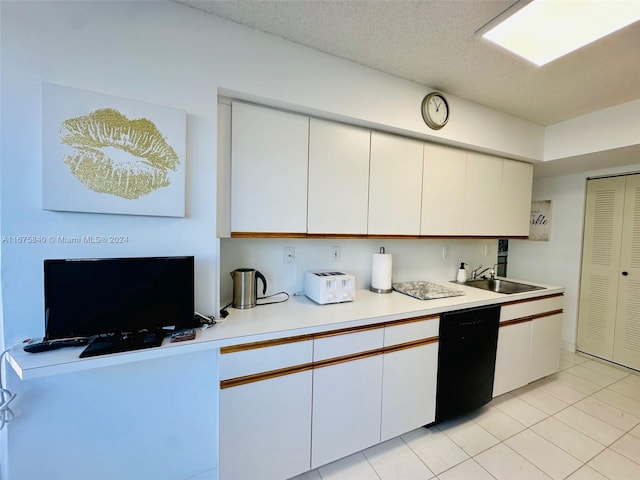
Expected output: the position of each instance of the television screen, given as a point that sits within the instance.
(86, 297)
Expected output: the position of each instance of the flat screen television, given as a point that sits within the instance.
(117, 296)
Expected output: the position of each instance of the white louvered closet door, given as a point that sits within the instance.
(609, 316)
(626, 349)
(600, 266)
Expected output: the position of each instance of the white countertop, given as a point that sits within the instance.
(299, 315)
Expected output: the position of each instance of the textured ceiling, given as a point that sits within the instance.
(432, 42)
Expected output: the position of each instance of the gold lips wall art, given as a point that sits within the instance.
(108, 154)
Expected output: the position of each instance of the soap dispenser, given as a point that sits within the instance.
(462, 274)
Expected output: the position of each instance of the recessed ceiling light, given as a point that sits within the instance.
(544, 30)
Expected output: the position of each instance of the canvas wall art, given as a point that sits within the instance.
(107, 154)
(540, 227)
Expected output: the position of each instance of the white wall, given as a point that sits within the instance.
(164, 53)
(172, 55)
(90, 45)
(169, 54)
(412, 260)
(612, 128)
(558, 260)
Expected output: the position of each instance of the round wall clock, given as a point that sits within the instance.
(435, 110)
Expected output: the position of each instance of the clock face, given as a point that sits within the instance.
(435, 111)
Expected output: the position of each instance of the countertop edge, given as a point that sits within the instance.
(268, 322)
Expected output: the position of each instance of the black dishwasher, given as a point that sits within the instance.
(466, 360)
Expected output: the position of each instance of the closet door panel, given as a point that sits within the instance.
(627, 329)
(600, 266)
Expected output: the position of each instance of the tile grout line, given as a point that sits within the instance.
(583, 464)
(419, 457)
(572, 404)
(567, 365)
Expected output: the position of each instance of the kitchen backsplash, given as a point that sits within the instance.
(412, 259)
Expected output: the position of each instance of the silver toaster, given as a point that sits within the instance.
(328, 286)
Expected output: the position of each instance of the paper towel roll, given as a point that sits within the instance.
(381, 266)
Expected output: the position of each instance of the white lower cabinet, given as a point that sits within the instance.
(512, 357)
(545, 346)
(293, 404)
(528, 342)
(409, 377)
(347, 386)
(265, 412)
(346, 409)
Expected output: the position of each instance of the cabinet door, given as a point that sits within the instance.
(513, 356)
(545, 346)
(338, 178)
(265, 411)
(409, 390)
(483, 193)
(515, 205)
(346, 408)
(409, 376)
(269, 164)
(265, 428)
(443, 190)
(395, 185)
(347, 390)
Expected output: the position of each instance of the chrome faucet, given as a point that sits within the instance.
(492, 272)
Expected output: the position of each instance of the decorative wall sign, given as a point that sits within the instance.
(107, 154)
(540, 228)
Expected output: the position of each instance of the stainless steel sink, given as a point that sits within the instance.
(501, 286)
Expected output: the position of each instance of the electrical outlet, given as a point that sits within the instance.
(445, 252)
(335, 254)
(289, 255)
(486, 249)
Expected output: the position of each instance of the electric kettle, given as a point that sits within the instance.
(245, 287)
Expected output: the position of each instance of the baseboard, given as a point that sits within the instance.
(567, 346)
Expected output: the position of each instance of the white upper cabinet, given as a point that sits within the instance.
(498, 196)
(338, 178)
(295, 175)
(269, 168)
(395, 185)
(517, 182)
(482, 195)
(443, 190)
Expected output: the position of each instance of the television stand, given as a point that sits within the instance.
(116, 343)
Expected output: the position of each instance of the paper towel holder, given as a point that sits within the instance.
(380, 290)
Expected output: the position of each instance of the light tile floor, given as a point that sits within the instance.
(582, 423)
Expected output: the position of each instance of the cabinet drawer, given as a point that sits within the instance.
(411, 330)
(257, 360)
(346, 343)
(531, 307)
